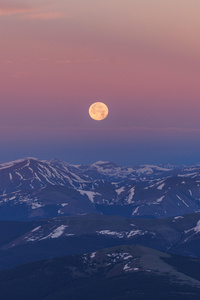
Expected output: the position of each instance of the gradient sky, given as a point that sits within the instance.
(140, 57)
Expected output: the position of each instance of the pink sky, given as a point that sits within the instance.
(140, 57)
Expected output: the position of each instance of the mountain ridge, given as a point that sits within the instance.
(121, 272)
(143, 191)
(23, 242)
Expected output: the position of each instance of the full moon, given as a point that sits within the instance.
(98, 111)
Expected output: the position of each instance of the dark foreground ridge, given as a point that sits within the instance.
(119, 273)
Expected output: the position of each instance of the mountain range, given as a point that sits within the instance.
(99, 231)
(37, 189)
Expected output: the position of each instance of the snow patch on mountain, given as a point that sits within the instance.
(120, 190)
(158, 200)
(190, 192)
(109, 232)
(90, 194)
(100, 162)
(122, 234)
(187, 175)
(36, 205)
(127, 267)
(178, 217)
(64, 204)
(119, 256)
(135, 210)
(92, 255)
(56, 233)
(197, 228)
(160, 187)
(182, 200)
(149, 169)
(131, 194)
(136, 232)
(35, 229)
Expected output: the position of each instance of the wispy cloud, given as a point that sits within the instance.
(64, 61)
(77, 60)
(45, 16)
(29, 12)
(12, 9)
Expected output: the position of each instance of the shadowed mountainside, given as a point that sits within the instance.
(122, 272)
(23, 242)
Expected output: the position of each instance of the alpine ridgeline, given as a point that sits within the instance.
(35, 189)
